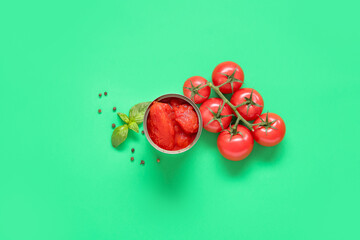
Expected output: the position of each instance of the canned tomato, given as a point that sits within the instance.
(176, 122)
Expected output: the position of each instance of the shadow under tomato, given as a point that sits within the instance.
(268, 154)
(209, 138)
(235, 168)
(265, 154)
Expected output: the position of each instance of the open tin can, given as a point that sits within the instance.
(186, 99)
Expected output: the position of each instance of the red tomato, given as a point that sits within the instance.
(270, 131)
(212, 121)
(172, 124)
(161, 125)
(228, 71)
(186, 117)
(194, 89)
(236, 147)
(182, 139)
(251, 103)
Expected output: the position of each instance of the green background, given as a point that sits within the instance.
(60, 178)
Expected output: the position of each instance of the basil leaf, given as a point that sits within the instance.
(137, 112)
(124, 117)
(119, 135)
(133, 126)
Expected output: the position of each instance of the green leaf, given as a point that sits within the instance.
(124, 117)
(133, 126)
(137, 112)
(119, 135)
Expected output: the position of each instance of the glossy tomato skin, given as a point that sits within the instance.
(196, 81)
(273, 136)
(214, 104)
(227, 68)
(238, 147)
(254, 111)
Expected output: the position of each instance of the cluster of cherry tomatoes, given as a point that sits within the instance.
(235, 142)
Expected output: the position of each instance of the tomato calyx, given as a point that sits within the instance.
(249, 102)
(266, 124)
(230, 79)
(195, 90)
(217, 116)
(233, 131)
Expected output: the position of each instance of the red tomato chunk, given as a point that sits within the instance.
(186, 117)
(172, 125)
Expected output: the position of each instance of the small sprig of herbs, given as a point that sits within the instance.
(136, 117)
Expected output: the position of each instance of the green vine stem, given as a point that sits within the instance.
(239, 117)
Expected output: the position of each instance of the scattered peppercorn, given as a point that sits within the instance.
(114, 109)
(142, 132)
(113, 125)
(99, 94)
(132, 158)
(99, 111)
(142, 162)
(132, 150)
(158, 160)
(105, 93)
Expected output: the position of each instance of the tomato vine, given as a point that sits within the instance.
(234, 108)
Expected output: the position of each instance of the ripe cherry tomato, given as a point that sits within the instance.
(228, 71)
(212, 121)
(270, 131)
(194, 89)
(251, 101)
(236, 147)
